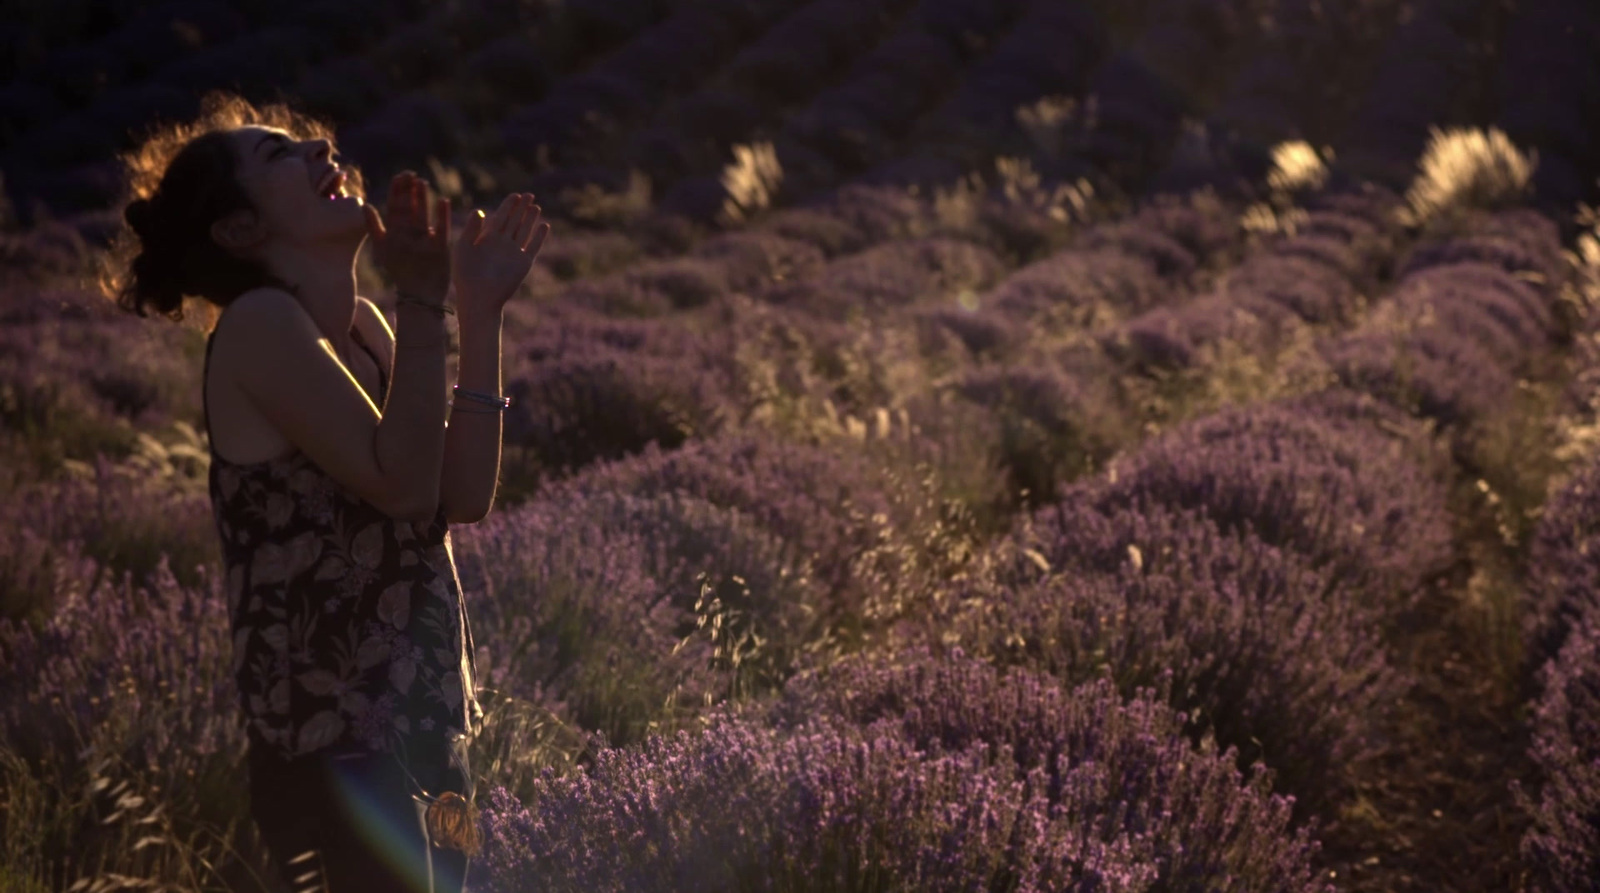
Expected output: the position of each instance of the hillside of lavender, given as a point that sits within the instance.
(956, 445)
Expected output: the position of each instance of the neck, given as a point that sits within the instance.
(326, 281)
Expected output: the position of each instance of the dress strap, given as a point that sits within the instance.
(205, 411)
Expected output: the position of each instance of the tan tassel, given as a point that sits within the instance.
(453, 823)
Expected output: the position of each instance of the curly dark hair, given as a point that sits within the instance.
(182, 177)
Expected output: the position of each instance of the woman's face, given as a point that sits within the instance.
(289, 180)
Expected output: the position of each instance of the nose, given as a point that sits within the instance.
(321, 149)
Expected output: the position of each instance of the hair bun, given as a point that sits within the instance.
(139, 214)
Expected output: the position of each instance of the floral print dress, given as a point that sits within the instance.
(349, 632)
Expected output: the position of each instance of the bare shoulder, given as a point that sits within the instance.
(257, 315)
(256, 302)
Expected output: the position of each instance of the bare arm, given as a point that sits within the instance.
(473, 433)
(491, 259)
(292, 376)
(472, 442)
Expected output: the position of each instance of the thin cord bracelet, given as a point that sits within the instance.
(438, 308)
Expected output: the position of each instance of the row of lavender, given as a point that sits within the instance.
(1561, 640)
(839, 88)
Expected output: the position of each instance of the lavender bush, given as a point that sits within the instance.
(1078, 289)
(133, 683)
(1189, 335)
(583, 254)
(577, 621)
(1562, 844)
(64, 351)
(750, 260)
(1349, 499)
(1439, 375)
(845, 515)
(976, 334)
(1562, 584)
(652, 288)
(974, 783)
(127, 517)
(583, 389)
(891, 276)
(1266, 652)
(1053, 427)
(831, 234)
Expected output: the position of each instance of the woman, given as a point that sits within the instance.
(335, 474)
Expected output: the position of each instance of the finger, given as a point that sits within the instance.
(419, 195)
(530, 222)
(521, 227)
(444, 220)
(399, 198)
(539, 235)
(474, 228)
(505, 215)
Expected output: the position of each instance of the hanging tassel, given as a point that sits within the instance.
(453, 823)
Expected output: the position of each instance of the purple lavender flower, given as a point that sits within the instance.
(1563, 579)
(890, 276)
(1351, 500)
(141, 670)
(1265, 651)
(652, 288)
(1054, 427)
(750, 260)
(1310, 288)
(1441, 375)
(975, 781)
(605, 405)
(1562, 844)
(582, 623)
(830, 233)
(843, 515)
(1077, 289)
(981, 333)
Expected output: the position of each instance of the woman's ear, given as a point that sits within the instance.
(237, 231)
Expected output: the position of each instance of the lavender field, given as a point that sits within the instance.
(956, 445)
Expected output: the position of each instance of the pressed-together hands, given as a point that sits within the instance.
(486, 264)
(411, 250)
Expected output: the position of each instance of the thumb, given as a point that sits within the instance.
(374, 222)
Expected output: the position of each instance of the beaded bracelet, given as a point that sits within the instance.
(438, 308)
(494, 400)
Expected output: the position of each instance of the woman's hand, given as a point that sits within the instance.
(411, 251)
(494, 255)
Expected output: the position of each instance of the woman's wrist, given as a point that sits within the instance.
(437, 308)
(421, 328)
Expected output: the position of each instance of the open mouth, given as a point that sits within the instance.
(332, 187)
